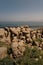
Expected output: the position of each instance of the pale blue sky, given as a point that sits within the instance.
(21, 10)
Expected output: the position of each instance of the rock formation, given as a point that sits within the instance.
(18, 37)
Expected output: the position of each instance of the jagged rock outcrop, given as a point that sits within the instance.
(18, 48)
(19, 37)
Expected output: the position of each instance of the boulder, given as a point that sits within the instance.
(2, 35)
(29, 40)
(14, 30)
(28, 35)
(22, 37)
(15, 39)
(34, 37)
(18, 48)
(18, 29)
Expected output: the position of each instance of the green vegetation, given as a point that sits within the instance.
(30, 57)
(39, 40)
(34, 53)
(1, 43)
(6, 61)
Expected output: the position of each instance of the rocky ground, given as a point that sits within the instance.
(13, 40)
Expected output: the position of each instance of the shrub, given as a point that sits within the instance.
(6, 61)
(34, 53)
(29, 58)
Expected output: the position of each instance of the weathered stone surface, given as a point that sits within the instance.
(18, 48)
(19, 37)
(3, 52)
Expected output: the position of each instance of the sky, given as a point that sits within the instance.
(21, 10)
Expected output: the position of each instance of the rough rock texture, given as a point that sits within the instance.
(19, 37)
(3, 52)
(18, 48)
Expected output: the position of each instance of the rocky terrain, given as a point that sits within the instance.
(13, 40)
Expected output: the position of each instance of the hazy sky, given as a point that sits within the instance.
(21, 10)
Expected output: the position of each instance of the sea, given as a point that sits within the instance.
(21, 23)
